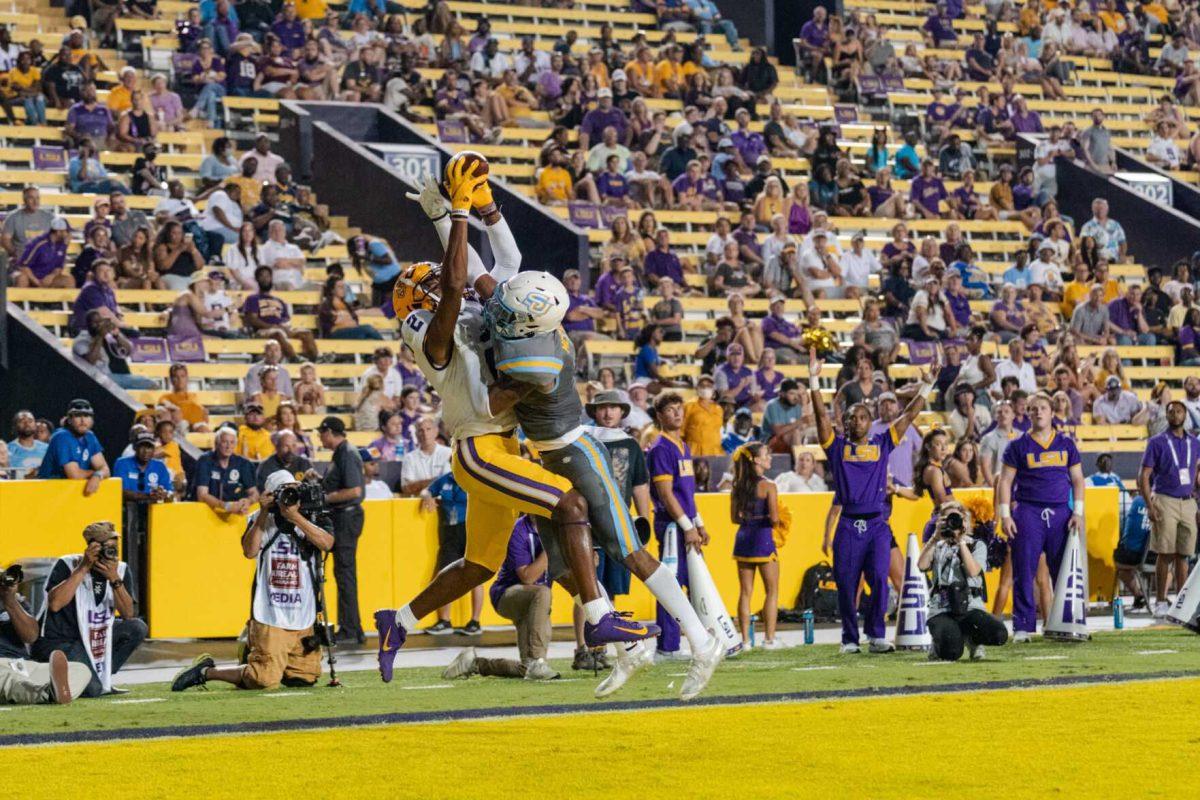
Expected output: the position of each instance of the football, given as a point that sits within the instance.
(470, 157)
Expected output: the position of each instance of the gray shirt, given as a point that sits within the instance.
(668, 308)
(1090, 321)
(1098, 144)
(1119, 411)
(81, 346)
(948, 571)
(123, 230)
(24, 225)
(991, 448)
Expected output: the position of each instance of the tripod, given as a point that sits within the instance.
(323, 629)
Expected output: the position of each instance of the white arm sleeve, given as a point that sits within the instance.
(475, 268)
(504, 247)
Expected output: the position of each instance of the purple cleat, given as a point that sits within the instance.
(391, 639)
(618, 626)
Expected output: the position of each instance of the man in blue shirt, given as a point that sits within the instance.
(144, 478)
(384, 271)
(708, 16)
(222, 480)
(25, 451)
(1127, 557)
(74, 451)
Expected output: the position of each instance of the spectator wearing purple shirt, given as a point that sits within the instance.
(750, 144)
(747, 238)
(582, 313)
(611, 184)
(41, 263)
(781, 336)
(927, 191)
(1023, 119)
(661, 262)
(241, 67)
(1127, 321)
(599, 118)
(289, 28)
(88, 119)
(814, 38)
(695, 191)
(98, 293)
(605, 289)
(939, 27)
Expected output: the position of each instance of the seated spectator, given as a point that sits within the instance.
(192, 411)
(661, 262)
(25, 450)
(780, 335)
(1001, 198)
(734, 380)
(802, 477)
(927, 192)
(136, 127)
(86, 175)
(1090, 321)
(628, 302)
(555, 186)
(96, 345)
(968, 420)
(98, 294)
(695, 191)
(886, 201)
(176, 257)
(253, 438)
(930, 317)
(26, 81)
(667, 311)
(857, 266)
(1187, 353)
(337, 318)
(906, 163)
(73, 452)
(1007, 316)
(875, 334)
(285, 260)
(83, 592)
(88, 120)
(1118, 406)
(731, 275)
(1126, 320)
(223, 214)
(788, 420)
(267, 316)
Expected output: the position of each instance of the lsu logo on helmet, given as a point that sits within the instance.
(416, 288)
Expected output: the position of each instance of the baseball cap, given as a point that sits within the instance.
(571, 273)
(734, 348)
(778, 297)
(333, 425)
(604, 92)
(145, 437)
(763, 160)
(59, 224)
(366, 454)
(1113, 382)
(888, 396)
(216, 275)
(726, 142)
(253, 407)
(619, 75)
(277, 480)
(80, 408)
(100, 201)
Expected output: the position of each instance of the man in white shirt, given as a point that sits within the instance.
(1050, 148)
(993, 444)
(820, 267)
(490, 62)
(285, 259)
(530, 62)
(857, 267)
(1162, 150)
(223, 213)
(268, 162)
(381, 365)
(715, 249)
(425, 464)
(1045, 273)
(1016, 366)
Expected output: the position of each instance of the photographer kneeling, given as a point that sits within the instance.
(958, 615)
(281, 645)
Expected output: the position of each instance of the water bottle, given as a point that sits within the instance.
(807, 616)
(753, 632)
(1118, 606)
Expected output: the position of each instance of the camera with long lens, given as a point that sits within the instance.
(13, 576)
(309, 497)
(108, 551)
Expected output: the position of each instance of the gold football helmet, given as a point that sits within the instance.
(417, 288)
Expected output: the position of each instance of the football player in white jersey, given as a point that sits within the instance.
(442, 323)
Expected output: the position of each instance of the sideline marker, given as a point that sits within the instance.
(1068, 616)
(1187, 603)
(912, 630)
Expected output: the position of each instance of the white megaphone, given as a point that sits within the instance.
(1068, 616)
(708, 604)
(912, 630)
(1187, 603)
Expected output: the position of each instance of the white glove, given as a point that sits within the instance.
(431, 200)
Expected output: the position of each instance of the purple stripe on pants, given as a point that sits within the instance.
(668, 640)
(862, 547)
(1040, 529)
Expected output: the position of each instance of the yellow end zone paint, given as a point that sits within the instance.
(1071, 742)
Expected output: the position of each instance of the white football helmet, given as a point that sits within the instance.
(527, 304)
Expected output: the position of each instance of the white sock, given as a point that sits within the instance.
(594, 610)
(406, 618)
(665, 588)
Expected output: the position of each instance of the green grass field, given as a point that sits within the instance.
(800, 669)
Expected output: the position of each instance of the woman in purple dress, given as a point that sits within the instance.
(754, 506)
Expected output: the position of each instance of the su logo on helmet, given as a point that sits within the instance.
(538, 303)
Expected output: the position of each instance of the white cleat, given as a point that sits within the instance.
(463, 665)
(1160, 609)
(977, 652)
(700, 671)
(881, 646)
(628, 664)
(772, 644)
(539, 670)
(849, 648)
(1022, 637)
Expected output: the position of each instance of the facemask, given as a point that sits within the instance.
(705, 393)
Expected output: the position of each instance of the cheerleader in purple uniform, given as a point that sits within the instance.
(930, 476)
(754, 506)
(1041, 475)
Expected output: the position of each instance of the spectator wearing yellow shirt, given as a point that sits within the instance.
(26, 82)
(668, 74)
(254, 440)
(1076, 291)
(251, 187)
(168, 449)
(554, 184)
(269, 397)
(311, 9)
(1112, 17)
(192, 411)
(120, 97)
(597, 68)
(702, 420)
(1112, 289)
(640, 73)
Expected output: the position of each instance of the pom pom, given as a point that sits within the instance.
(819, 341)
(980, 507)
